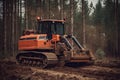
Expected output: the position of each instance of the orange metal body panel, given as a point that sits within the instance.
(55, 37)
(33, 41)
(43, 44)
(27, 44)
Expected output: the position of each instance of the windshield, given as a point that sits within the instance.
(46, 27)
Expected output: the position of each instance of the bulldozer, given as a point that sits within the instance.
(49, 45)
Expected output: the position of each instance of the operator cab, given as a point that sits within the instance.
(50, 27)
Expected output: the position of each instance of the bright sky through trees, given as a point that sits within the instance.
(93, 1)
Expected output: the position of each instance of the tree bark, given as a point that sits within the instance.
(83, 24)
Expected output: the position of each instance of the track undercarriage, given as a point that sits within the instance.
(41, 59)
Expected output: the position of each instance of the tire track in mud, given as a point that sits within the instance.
(13, 71)
(100, 73)
(93, 72)
(58, 75)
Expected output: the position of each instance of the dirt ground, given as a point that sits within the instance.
(10, 70)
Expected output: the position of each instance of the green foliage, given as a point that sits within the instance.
(98, 14)
(110, 27)
(78, 18)
(100, 54)
(109, 14)
(104, 16)
(87, 11)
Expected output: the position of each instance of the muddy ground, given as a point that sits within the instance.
(10, 70)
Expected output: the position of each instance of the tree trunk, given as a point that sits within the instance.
(83, 24)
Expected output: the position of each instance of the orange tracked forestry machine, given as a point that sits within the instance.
(49, 45)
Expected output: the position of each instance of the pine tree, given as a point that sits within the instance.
(98, 14)
(110, 28)
(98, 23)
